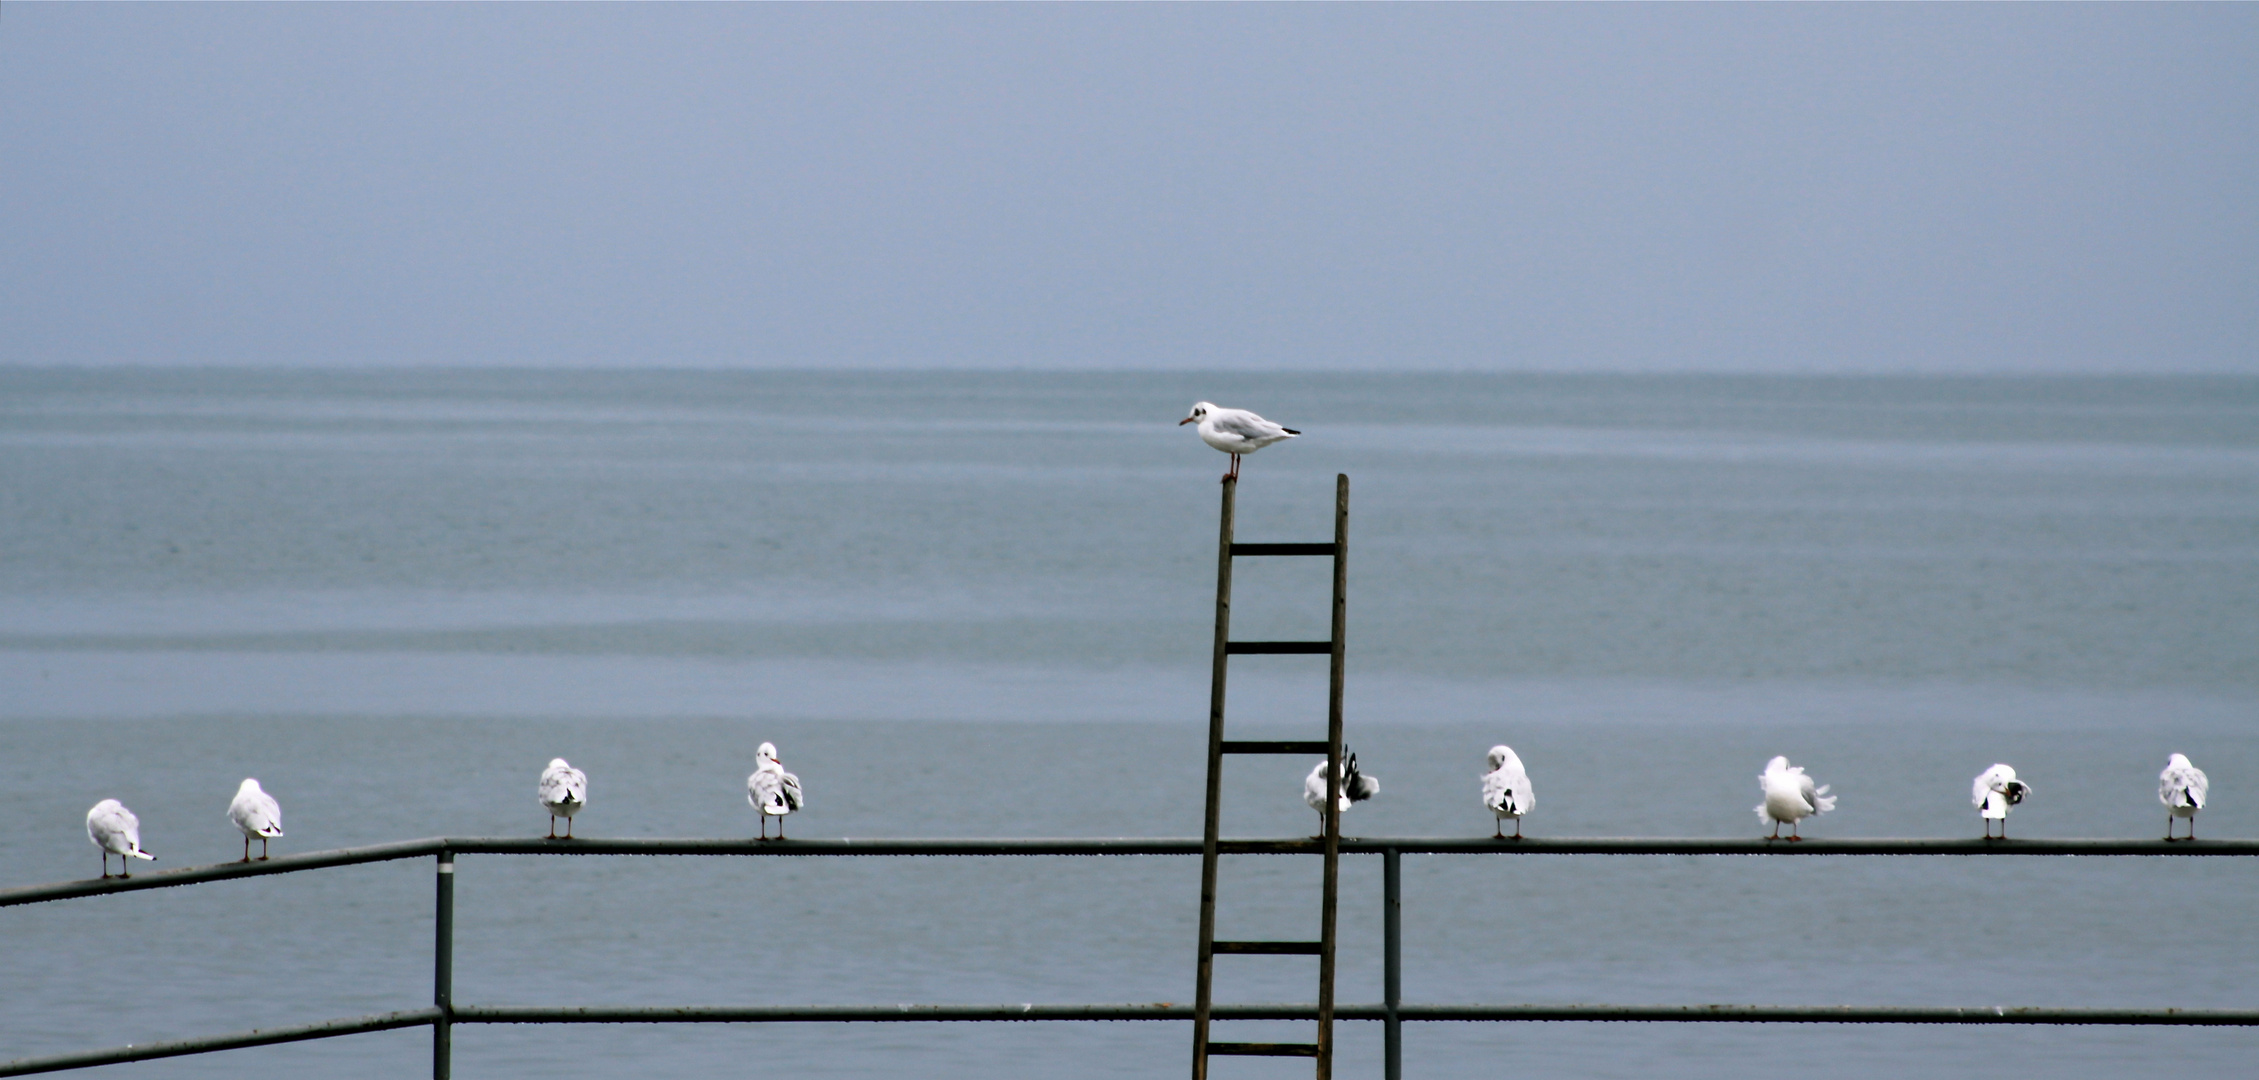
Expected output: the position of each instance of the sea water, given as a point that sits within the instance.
(980, 604)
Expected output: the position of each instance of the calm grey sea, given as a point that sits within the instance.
(979, 604)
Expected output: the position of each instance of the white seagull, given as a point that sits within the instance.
(772, 791)
(1235, 432)
(1790, 798)
(1995, 791)
(1356, 787)
(255, 813)
(1506, 790)
(564, 792)
(2181, 788)
(115, 830)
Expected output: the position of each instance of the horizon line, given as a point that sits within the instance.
(373, 367)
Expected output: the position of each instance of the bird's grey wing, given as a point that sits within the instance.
(1808, 791)
(2189, 780)
(261, 813)
(792, 797)
(1497, 792)
(1247, 425)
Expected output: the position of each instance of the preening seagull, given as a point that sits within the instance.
(115, 830)
(255, 813)
(1790, 798)
(1506, 790)
(1235, 432)
(1995, 791)
(1356, 787)
(2181, 788)
(772, 791)
(564, 792)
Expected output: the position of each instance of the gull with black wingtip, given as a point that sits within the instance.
(1234, 431)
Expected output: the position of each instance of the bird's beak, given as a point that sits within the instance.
(1184, 421)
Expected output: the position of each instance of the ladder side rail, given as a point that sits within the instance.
(1333, 774)
(1203, 993)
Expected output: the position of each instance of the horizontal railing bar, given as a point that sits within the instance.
(755, 1014)
(1244, 648)
(1791, 1014)
(1416, 845)
(1281, 549)
(196, 875)
(749, 846)
(327, 1029)
(1813, 1014)
(1268, 948)
(1274, 746)
(773, 1014)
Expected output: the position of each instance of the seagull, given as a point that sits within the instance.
(2181, 788)
(1356, 787)
(1790, 798)
(1995, 791)
(772, 791)
(1506, 790)
(1235, 432)
(564, 792)
(255, 813)
(115, 830)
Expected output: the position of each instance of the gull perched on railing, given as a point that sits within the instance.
(255, 813)
(772, 791)
(1506, 790)
(1356, 787)
(1995, 791)
(2181, 788)
(1790, 797)
(564, 792)
(115, 830)
(1234, 431)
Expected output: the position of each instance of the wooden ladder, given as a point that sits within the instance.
(1212, 847)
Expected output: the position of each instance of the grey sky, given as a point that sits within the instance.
(1792, 188)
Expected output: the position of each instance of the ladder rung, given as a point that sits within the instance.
(1269, 948)
(1282, 549)
(1270, 847)
(1243, 647)
(1264, 1049)
(1274, 746)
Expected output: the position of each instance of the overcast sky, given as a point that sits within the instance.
(2013, 188)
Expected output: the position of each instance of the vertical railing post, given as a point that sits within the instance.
(1392, 960)
(443, 970)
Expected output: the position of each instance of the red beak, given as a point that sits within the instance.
(1184, 421)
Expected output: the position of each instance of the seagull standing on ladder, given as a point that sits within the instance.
(1234, 431)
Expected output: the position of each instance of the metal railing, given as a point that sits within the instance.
(443, 1013)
